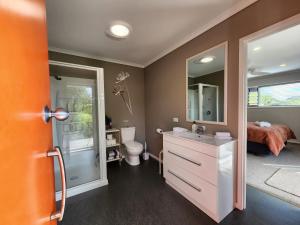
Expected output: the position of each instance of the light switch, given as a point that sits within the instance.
(175, 119)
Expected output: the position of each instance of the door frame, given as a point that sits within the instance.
(200, 88)
(242, 104)
(101, 130)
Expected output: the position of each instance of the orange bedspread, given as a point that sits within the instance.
(274, 137)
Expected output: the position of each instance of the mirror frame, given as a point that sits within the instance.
(223, 44)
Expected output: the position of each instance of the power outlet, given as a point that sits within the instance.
(175, 119)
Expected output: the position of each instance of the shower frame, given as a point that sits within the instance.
(101, 130)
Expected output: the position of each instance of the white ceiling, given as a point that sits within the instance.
(159, 26)
(276, 49)
(197, 70)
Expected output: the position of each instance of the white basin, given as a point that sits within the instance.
(179, 129)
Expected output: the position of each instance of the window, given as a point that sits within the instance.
(253, 96)
(276, 95)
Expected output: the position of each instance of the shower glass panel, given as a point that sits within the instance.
(78, 135)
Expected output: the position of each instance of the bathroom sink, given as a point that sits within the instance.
(191, 135)
(204, 138)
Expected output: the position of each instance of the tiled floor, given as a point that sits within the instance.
(139, 196)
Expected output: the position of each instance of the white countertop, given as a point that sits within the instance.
(207, 139)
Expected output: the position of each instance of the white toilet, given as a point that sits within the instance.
(133, 148)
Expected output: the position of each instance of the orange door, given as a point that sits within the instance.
(26, 173)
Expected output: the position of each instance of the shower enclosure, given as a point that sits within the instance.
(79, 90)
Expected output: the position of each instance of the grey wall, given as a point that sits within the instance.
(279, 78)
(280, 115)
(114, 106)
(165, 82)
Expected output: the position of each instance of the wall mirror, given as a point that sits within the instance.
(206, 75)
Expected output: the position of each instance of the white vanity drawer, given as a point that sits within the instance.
(197, 163)
(194, 187)
(193, 145)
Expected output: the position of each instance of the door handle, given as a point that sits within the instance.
(60, 214)
(59, 114)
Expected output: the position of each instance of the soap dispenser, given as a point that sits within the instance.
(194, 127)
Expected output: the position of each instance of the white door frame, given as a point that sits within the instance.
(101, 130)
(242, 104)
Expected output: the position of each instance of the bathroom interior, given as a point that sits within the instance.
(76, 89)
(135, 112)
(116, 126)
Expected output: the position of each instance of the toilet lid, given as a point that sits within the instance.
(133, 145)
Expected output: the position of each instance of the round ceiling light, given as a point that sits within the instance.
(207, 59)
(119, 30)
(256, 49)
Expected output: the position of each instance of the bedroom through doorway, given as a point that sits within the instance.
(273, 109)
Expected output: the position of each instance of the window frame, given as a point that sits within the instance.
(270, 106)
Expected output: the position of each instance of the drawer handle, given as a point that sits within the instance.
(197, 163)
(183, 180)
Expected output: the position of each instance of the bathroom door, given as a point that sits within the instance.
(27, 175)
(209, 102)
(76, 90)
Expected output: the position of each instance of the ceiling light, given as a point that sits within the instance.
(119, 30)
(207, 59)
(256, 49)
(283, 65)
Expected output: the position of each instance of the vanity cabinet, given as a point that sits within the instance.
(202, 169)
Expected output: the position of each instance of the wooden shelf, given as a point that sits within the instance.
(112, 160)
(120, 158)
(116, 133)
(115, 145)
(114, 130)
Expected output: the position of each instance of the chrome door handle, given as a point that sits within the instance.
(60, 214)
(59, 114)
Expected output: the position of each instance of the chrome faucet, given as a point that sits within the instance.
(201, 129)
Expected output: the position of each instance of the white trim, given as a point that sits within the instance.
(294, 141)
(242, 107)
(154, 157)
(91, 56)
(225, 44)
(222, 17)
(101, 125)
(82, 188)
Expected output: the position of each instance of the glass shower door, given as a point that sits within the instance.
(77, 136)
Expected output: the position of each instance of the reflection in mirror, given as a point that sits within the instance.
(206, 78)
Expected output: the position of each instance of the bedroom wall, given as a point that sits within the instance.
(165, 83)
(278, 115)
(114, 106)
(282, 115)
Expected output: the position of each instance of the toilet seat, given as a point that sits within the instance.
(133, 146)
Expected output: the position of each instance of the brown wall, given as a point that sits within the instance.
(165, 79)
(114, 106)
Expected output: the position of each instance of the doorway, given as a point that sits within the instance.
(79, 90)
(250, 94)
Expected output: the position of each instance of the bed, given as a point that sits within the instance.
(266, 140)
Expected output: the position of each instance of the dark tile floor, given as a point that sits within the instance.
(139, 196)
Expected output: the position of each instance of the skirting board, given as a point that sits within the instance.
(82, 188)
(294, 141)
